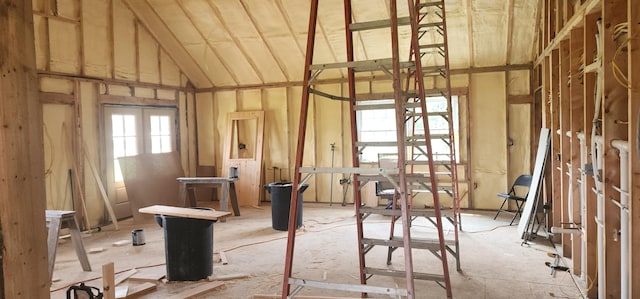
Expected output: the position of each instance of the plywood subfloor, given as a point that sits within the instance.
(494, 263)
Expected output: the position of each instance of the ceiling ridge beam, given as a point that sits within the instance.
(165, 38)
(211, 47)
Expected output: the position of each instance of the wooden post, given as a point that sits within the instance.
(576, 125)
(554, 118)
(634, 119)
(23, 234)
(590, 227)
(614, 116)
(564, 152)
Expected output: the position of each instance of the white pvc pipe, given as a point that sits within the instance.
(623, 147)
(583, 205)
(599, 212)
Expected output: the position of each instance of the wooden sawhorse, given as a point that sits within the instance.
(56, 220)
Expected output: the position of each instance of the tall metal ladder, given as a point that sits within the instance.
(403, 181)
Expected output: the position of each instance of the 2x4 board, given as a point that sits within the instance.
(544, 143)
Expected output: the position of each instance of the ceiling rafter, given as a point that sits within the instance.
(264, 41)
(237, 42)
(470, 33)
(149, 18)
(287, 20)
(213, 49)
(510, 21)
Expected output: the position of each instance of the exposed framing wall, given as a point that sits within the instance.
(566, 59)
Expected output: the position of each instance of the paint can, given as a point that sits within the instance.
(233, 172)
(137, 237)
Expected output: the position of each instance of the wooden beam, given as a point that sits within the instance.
(614, 113)
(213, 48)
(554, 119)
(633, 51)
(23, 262)
(108, 281)
(575, 21)
(122, 100)
(56, 98)
(520, 99)
(564, 152)
(475, 70)
(590, 227)
(147, 16)
(576, 124)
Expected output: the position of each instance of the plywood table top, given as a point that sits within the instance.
(184, 212)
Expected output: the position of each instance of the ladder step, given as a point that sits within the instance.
(407, 94)
(429, 4)
(410, 178)
(412, 212)
(363, 65)
(430, 25)
(426, 162)
(347, 287)
(432, 136)
(378, 24)
(429, 244)
(432, 46)
(400, 273)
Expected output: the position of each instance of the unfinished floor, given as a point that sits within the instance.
(494, 264)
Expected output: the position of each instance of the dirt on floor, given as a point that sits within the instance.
(493, 261)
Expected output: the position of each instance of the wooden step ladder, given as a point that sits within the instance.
(409, 105)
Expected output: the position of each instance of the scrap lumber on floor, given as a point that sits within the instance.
(198, 290)
(139, 290)
(152, 274)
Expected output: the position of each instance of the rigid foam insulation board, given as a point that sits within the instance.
(488, 138)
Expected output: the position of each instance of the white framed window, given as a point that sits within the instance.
(380, 125)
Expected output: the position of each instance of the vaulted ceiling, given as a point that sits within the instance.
(226, 43)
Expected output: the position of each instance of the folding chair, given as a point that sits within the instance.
(519, 187)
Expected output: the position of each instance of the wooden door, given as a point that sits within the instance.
(243, 149)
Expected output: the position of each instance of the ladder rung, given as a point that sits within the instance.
(431, 46)
(432, 136)
(348, 287)
(429, 25)
(412, 212)
(429, 4)
(429, 244)
(363, 65)
(378, 24)
(400, 273)
(385, 106)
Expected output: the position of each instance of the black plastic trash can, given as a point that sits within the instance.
(188, 247)
(281, 203)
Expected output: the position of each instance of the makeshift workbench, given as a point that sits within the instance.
(228, 191)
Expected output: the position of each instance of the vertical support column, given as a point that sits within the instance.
(576, 125)
(614, 108)
(554, 119)
(633, 51)
(564, 152)
(23, 265)
(589, 85)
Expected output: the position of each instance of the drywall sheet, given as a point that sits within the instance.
(96, 37)
(205, 123)
(64, 47)
(488, 138)
(124, 42)
(150, 179)
(329, 124)
(542, 154)
(148, 56)
(58, 152)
